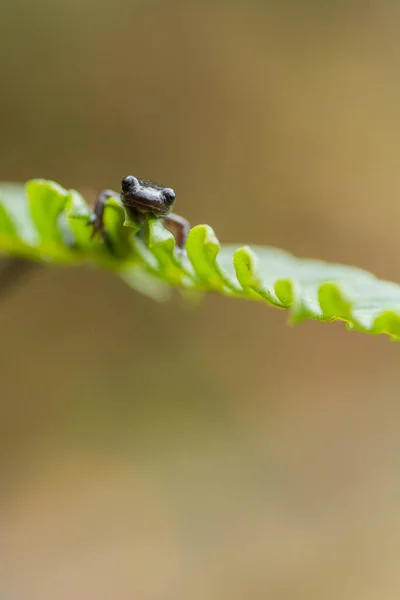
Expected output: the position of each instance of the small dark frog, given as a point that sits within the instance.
(143, 198)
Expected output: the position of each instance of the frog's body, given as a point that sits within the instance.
(144, 197)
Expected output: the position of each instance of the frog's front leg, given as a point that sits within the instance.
(179, 227)
(97, 218)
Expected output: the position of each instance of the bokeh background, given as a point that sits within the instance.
(162, 453)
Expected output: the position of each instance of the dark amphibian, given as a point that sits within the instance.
(143, 198)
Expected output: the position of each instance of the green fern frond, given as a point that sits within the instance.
(44, 222)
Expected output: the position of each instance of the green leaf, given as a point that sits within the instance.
(46, 200)
(7, 226)
(15, 212)
(43, 221)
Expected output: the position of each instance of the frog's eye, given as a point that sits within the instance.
(169, 195)
(129, 182)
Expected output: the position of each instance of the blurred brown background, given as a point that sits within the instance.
(161, 453)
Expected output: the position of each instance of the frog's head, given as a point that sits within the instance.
(147, 197)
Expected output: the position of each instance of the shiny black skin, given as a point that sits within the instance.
(147, 196)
